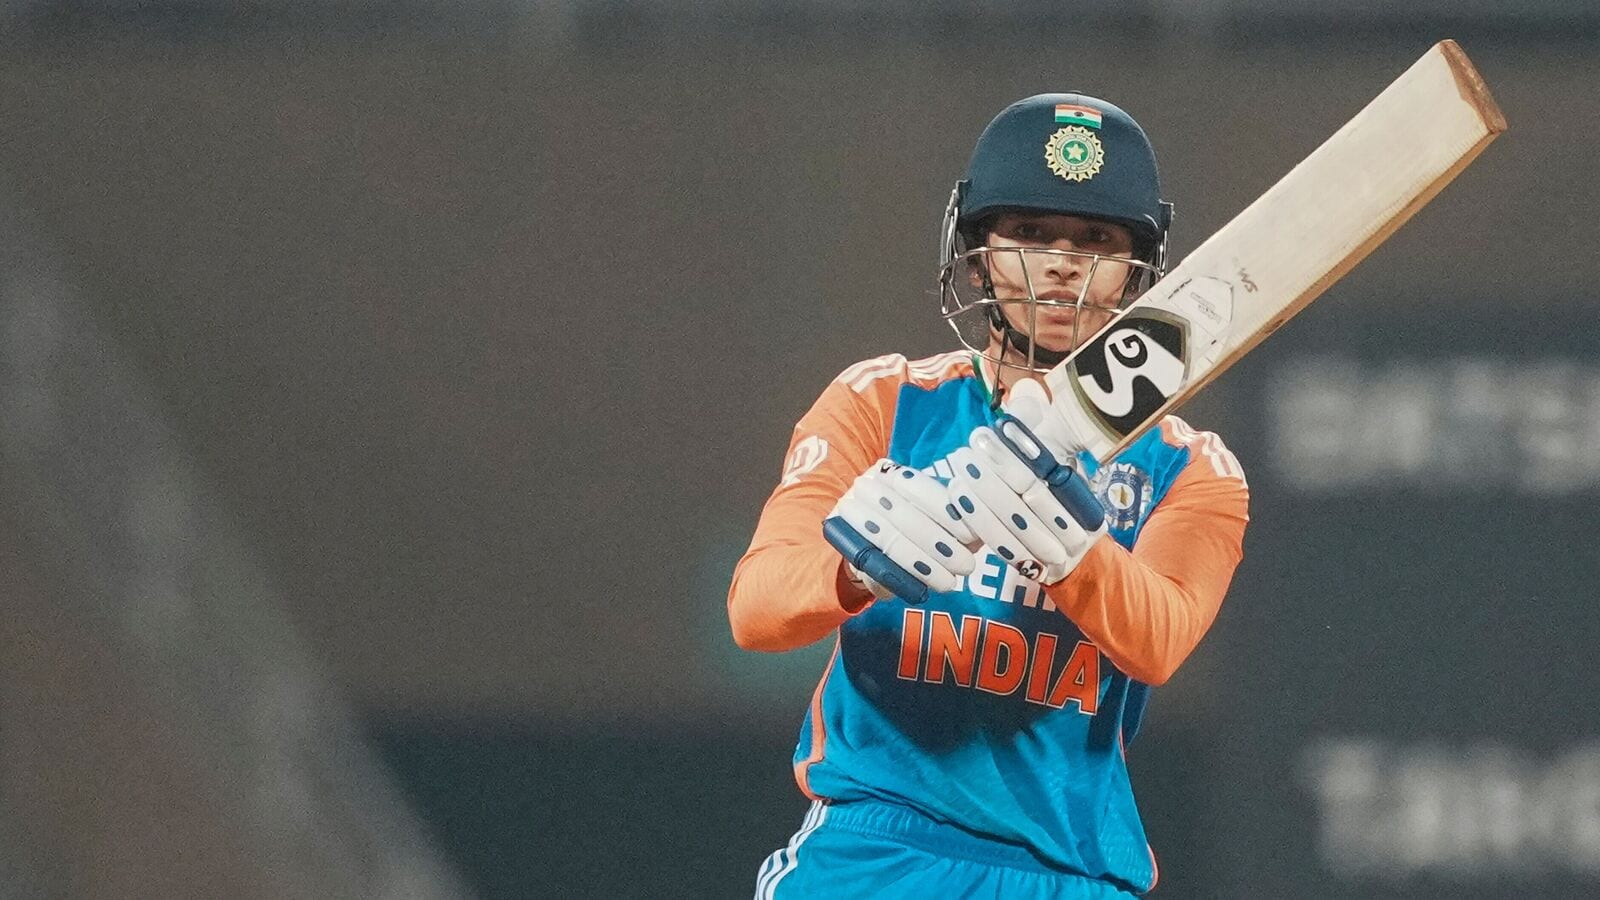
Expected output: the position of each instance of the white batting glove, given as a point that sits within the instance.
(897, 529)
(1028, 402)
(1036, 513)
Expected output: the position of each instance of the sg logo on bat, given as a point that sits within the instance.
(1128, 373)
(1125, 376)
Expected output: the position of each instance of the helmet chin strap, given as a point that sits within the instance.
(1012, 336)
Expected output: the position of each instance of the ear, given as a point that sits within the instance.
(978, 270)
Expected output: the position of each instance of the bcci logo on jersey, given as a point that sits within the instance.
(1124, 491)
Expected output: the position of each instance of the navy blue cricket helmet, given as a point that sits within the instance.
(1055, 153)
(1063, 153)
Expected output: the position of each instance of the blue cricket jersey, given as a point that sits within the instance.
(986, 707)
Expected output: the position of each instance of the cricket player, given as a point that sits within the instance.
(1002, 605)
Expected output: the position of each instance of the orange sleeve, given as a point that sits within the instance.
(791, 588)
(1146, 610)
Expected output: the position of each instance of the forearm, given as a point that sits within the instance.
(788, 595)
(1145, 621)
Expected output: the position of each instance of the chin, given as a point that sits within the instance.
(1060, 344)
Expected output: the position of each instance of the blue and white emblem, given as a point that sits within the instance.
(1124, 491)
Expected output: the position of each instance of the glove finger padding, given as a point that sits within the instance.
(1029, 403)
(897, 532)
(887, 579)
(1036, 494)
(1017, 496)
(998, 515)
(903, 551)
(915, 512)
(1062, 480)
(927, 494)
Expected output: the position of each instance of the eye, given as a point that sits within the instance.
(1027, 231)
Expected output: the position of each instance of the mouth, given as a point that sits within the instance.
(1058, 322)
(1060, 328)
(1060, 296)
(1053, 306)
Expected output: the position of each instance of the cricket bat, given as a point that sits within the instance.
(1279, 254)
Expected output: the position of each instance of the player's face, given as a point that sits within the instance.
(1057, 276)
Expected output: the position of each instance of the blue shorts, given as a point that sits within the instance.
(866, 848)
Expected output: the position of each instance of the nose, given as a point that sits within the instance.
(1064, 267)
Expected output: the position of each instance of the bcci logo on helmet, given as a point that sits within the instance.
(1075, 153)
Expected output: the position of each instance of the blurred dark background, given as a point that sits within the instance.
(465, 341)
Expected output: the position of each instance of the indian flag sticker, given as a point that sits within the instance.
(1073, 114)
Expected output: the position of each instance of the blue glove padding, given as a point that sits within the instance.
(1064, 483)
(870, 561)
(897, 528)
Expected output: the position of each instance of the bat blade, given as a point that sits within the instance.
(1280, 253)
